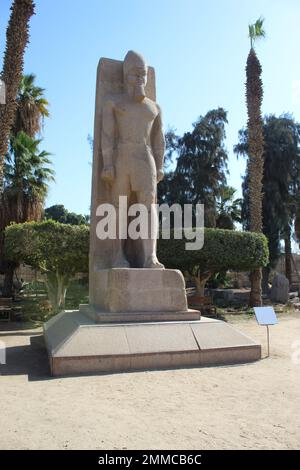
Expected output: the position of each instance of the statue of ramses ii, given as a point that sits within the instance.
(132, 147)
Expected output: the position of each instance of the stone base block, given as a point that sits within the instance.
(76, 345)
(107, 317)
(121, 290)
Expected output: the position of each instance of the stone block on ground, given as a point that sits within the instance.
(280, 289)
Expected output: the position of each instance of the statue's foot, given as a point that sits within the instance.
(153, 263)
(121, 263)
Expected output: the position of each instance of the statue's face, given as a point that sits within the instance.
(137, 79)
(137, 76)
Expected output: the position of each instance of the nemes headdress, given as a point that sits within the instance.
(132, 59)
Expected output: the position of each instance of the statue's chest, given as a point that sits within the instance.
(136, 113)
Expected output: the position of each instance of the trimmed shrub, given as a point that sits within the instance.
(222, 250)
(58, 250)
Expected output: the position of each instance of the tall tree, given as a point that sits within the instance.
(17, 38)
(281, 183)
(201, 166)
(32, 107)
(27, 174)
(228, 208)
(297, 217)
(254, 95)
(59, 213)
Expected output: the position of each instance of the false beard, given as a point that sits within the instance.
(139, 93)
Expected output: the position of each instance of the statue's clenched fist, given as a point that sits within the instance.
(108, 174)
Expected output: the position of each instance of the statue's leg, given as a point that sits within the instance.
(148, 198)
(121, 188)
(119, 259)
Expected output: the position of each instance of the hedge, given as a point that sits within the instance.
(222, 250)
(58, 250)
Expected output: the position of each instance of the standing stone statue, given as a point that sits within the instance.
(132, 133)
(129, 150)
(127, 282)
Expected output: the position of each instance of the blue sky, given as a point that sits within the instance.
(198, 48)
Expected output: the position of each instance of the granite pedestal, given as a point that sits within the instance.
(77, 345)
(139, 319)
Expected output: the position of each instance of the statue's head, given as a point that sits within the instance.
(135, 74)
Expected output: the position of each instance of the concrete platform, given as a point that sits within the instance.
(100, 316)
(76, 344)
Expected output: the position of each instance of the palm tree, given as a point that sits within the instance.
(17, 38)
(32, 107)
(281, 183)
(254, 95)
(27, 174)
(228, 208)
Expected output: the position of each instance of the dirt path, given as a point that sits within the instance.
(240, 407)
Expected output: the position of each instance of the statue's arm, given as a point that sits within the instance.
(108, 140)
(158, 145)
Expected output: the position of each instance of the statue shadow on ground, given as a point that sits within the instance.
(30, 360)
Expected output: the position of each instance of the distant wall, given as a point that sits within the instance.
(26, 273)
(30, 275)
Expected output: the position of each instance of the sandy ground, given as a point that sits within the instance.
(233, 407)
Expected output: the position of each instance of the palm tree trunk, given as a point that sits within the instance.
(17, 38)
(254, 94)
(288, 255)
(8, 281)
(256, 290)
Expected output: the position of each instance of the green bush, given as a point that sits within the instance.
(222, 250)
(58, 251)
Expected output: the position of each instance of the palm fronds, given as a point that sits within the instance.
(256, 31)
